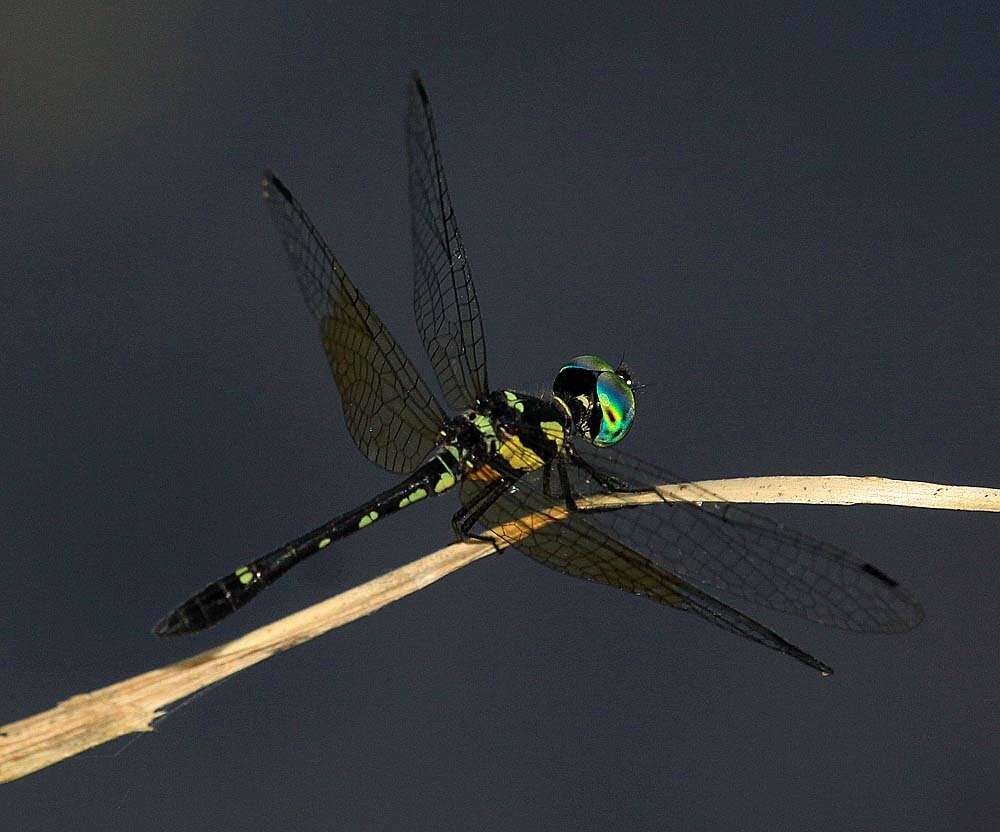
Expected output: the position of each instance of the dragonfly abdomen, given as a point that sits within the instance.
(232, 591)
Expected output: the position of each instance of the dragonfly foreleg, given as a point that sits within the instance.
(602, 478)
(608, 482)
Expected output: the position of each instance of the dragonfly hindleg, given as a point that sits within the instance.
(470, 513)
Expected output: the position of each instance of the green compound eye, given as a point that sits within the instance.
(589, 362)
(617, 409)
(599, 396)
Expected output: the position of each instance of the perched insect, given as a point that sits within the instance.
(530, 467)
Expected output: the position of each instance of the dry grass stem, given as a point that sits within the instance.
(90, 719)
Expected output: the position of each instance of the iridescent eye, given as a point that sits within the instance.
(590, 362)
(598, 397)
(617, 409)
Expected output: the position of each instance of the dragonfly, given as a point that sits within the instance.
(539, 473)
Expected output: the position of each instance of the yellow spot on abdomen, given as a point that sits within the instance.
(324, 543)
(416, 494)
(368, 519)
(446, 481)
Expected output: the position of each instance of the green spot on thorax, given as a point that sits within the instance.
(484, 425)
(514, 401)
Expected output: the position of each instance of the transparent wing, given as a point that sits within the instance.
(570, 543)
(721, 545)
(444, 297)
(391, 414)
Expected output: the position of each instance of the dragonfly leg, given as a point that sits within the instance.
(468, 515)
(568, 497)
(608, 481)
(567, 489)
(547, 480)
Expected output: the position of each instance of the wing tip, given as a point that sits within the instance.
(270, 182)
(417, 85)
(807, 659)
(878, 574)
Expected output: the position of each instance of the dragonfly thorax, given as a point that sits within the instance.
(522, 432)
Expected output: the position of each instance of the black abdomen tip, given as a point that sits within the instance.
(211, 605)
(172, 625)
(187, 618)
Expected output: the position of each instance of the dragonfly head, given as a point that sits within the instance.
(598, 397)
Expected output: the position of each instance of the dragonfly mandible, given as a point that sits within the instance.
(525, 466)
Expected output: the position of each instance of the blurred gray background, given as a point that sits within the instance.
(787, 221)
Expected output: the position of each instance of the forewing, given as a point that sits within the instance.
(570, 543)
(444, 297)
(719, 544)
(391, 414)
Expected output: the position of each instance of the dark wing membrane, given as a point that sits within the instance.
(444, 297)
(569, 543)
(718, 544)
(391, 414)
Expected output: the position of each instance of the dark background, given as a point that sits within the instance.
(787, 222)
